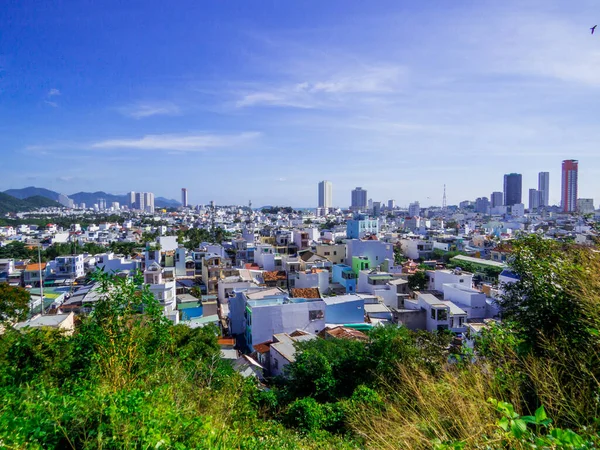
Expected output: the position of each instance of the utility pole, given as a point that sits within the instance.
(41, 279)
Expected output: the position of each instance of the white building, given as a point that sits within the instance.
(416, 248)
(280, 314)
(439, 314)
(325, 195)
(163, 291)
(377, 252)
(437, 279)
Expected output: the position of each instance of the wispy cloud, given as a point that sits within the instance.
(375, 79)
(50, 95)
(179, 142)
(149, 109)
(53, 92)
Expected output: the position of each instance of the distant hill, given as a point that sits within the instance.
(161, 202)
(89, 198)
(32, 191)
(10, 204)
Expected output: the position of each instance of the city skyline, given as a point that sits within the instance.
(111, 93)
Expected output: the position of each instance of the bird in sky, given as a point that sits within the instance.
(593, 28)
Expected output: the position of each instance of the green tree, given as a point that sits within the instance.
(418, 281)
(14, 303)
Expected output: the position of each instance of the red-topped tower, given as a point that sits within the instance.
(569, 185)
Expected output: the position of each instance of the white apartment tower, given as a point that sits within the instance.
(325, 195)
(544, 188)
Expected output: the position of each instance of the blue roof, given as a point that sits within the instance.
(509, 274)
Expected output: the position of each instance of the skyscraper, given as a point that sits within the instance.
(149, 202)
(131, 200)
(512, 189)
(568, 192)
(359, 199)
(325, 195)
(544, 188)
(184, 197)
(391, 204)
(497, 199)
(535, 198)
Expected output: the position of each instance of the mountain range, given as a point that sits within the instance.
(11, 204)
(89, 198)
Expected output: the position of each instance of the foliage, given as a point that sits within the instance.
(418, 281)
(14, 303)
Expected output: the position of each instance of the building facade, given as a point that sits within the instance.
(325, 195)
(544, 188)
(359, 199)
(512, 189)
(570, 168)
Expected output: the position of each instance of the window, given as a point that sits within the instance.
(316, 315)
(433, 313)
(275, 363)
(461, 280)
(442, 315)
(334, 253)
(327, 253)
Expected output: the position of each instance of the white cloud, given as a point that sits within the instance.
(142, 110)
(49, 103)
(178, 142)
(330, 91)
(53, 92)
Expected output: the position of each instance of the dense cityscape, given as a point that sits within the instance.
(337, 225)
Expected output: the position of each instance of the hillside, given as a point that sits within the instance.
(89, 198)
(10, 204)
(32, 191)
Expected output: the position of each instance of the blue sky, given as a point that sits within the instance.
(261, 100)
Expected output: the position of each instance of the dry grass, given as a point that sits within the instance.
(421, 408)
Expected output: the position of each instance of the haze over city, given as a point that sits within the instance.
(261, 101)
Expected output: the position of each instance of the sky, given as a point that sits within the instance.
(260, 100)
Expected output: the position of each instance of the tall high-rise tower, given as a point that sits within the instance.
(359, 199)
(496, 199)
(568, 192)
(184, 197)
(325, 195)
(512, 189)
(544, 188)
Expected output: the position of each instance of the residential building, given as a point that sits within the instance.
(391, 204)
(282, 314)
(544, 188)
(512, 188)
(570, 168)
(345, 276)
(440, 314)
(344, 309)
(437, 278)
(414, 209)
(359, 199)
(64, 322)
(535, 198)
(416, 248)
(482, 205)
(496, 199)
(148, 202)
(361, 226)
(31, 274)
(585, 205)
(325, 195)
(378, 253)
(67, 267)
(184, 197)
(164, 291)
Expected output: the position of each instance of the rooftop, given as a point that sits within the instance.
(483, 262)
